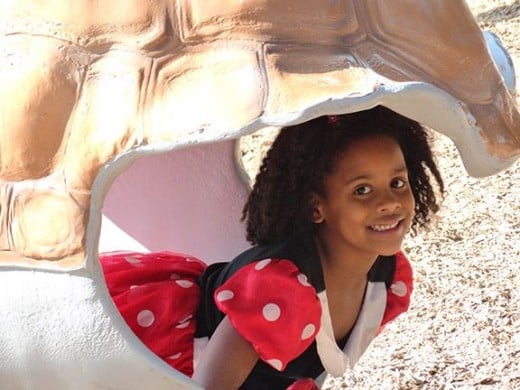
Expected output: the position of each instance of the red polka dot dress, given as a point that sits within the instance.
(158, 297)
(275, 298)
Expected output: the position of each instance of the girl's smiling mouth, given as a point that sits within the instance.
(388, 227)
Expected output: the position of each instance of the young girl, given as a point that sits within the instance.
(330, 207)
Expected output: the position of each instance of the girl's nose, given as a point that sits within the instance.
(389, 203)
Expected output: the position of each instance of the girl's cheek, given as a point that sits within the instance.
(411, 199)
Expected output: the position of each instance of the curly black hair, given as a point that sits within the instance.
(303, 155)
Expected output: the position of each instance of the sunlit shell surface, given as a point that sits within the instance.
(87, 87)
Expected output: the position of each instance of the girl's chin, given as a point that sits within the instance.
(389, 250)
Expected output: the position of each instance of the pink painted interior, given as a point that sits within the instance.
(187, 200)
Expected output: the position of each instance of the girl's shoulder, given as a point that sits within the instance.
(263, 268)
(397, 274)
(272, 305)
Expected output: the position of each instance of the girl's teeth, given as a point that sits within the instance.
(381, 228)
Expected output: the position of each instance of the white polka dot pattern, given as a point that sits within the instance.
(132, 260)
(304, 281)
(183, 325)
(275, 363)
(186, 318)
(308, 331)
(399, 288)
(271, 312)
(145, 318)
(185, 322)
(225, 295)
(184, 283)
(262, 264)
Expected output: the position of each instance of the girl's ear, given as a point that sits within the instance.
(317, 215)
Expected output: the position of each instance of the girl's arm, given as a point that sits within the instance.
(226, 361)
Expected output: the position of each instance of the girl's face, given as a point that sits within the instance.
(368, 205)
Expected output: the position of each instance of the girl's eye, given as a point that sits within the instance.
(398, 183)
(363, 190)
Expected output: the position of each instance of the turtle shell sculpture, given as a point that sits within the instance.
(87, 87)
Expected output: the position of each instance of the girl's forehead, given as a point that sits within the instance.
(370, 151)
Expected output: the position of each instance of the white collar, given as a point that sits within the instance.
(334, 360)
